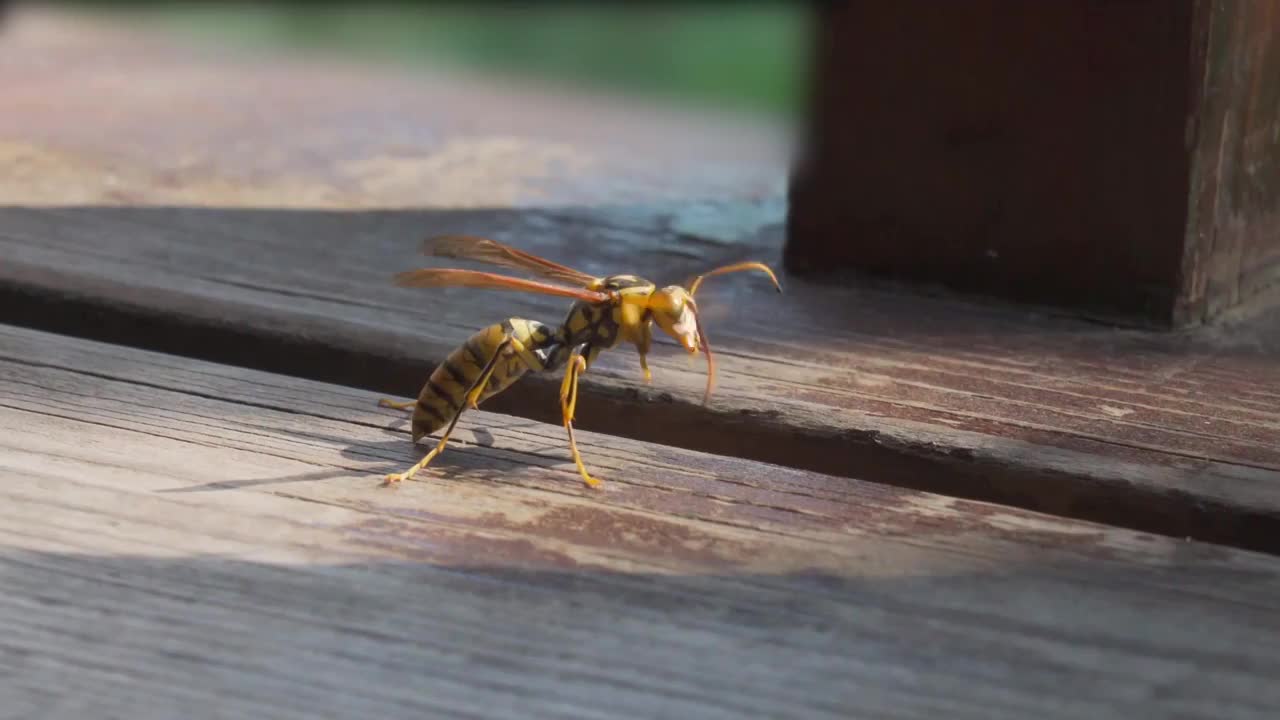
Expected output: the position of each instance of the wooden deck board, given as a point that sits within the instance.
(183, 537)
(247, 237)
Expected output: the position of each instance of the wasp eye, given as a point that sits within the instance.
(660, 302)
(669, 300)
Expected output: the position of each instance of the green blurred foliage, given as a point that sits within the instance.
(740, 56)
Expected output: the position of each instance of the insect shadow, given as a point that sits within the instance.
(391, 453)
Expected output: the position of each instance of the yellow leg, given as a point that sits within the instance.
(567, 383)
(579, 365)
(568, 405)
(644, 367)
(473, 391)
(439, 448)
(473, 395)
(406, 405)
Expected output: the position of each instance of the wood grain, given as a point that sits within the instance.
(178, 537)
(1233, 253)
(1119, 160)
(287, 268)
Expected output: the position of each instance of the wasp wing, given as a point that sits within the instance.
(452, 277)
(470, 247)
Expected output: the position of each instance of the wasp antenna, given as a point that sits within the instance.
(736, 267)
(706, 348)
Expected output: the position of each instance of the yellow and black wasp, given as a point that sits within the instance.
(607, 311)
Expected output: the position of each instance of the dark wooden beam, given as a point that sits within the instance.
(1115, 158)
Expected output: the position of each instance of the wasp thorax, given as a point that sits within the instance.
(671, 308)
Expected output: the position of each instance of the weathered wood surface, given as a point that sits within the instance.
(1119, 159)
(183, 538)
(287, 268)
(1233, 249)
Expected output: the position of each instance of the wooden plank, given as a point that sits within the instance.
(178, 537)
(1171, 433)
(1119, 160)
(1233, 249)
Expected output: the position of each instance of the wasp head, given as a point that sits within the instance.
(673, 310)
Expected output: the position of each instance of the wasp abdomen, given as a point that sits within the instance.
(445, 391)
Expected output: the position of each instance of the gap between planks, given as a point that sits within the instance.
(1156, 491)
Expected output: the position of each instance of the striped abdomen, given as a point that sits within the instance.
(445, 391)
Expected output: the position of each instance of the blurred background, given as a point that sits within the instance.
(736, 57)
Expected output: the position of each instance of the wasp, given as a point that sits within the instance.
(606, 312)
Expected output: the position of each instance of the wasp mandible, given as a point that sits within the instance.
(607, 311)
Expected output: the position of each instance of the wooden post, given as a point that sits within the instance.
(1113, 158)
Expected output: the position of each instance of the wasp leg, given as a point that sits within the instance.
(473, 395)
(644, 367)
(388, 403)
(569, 404)
(444, 439)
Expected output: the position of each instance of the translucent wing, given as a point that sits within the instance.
(451, 277)
(469, 247)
